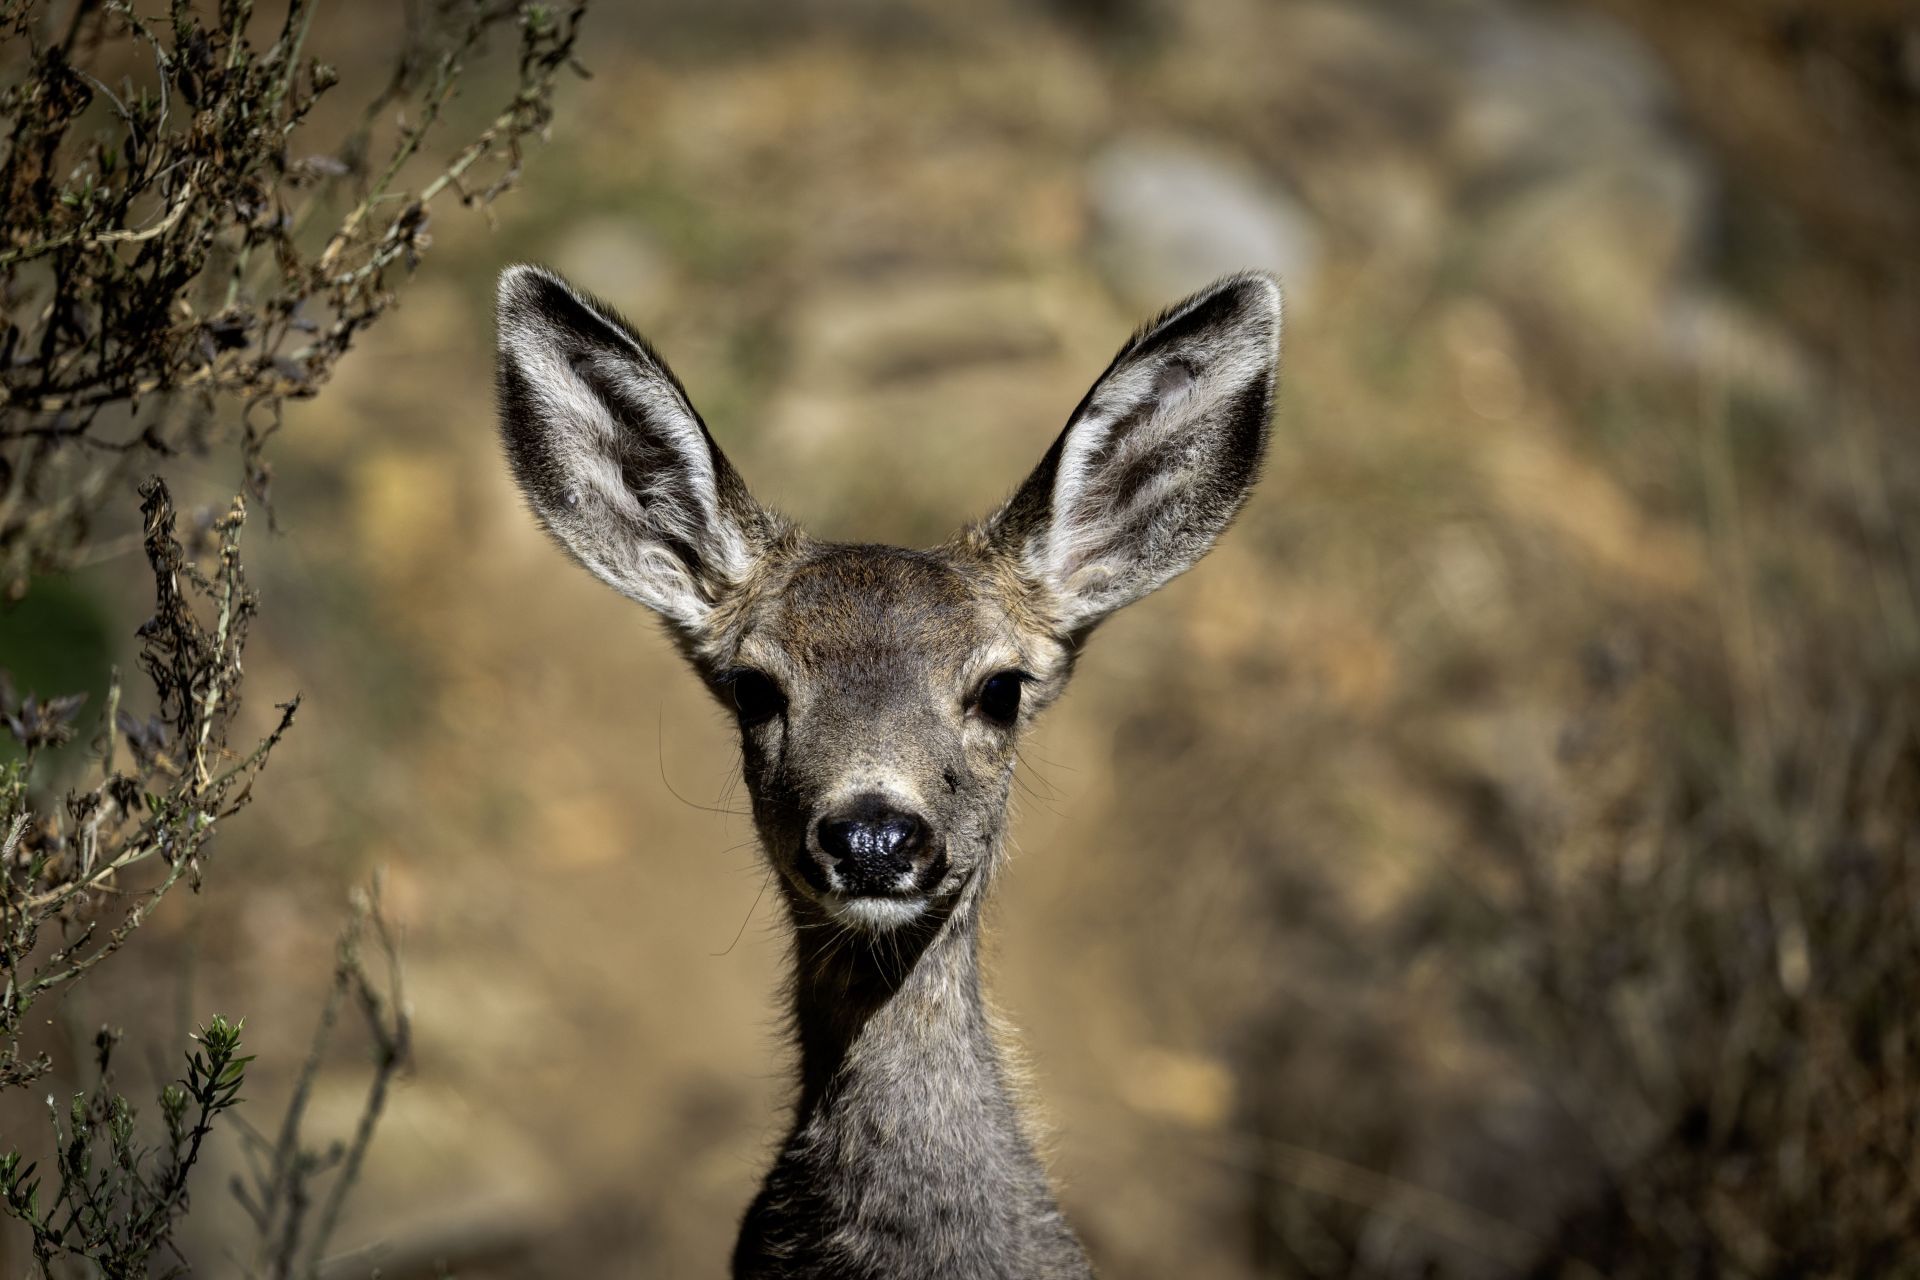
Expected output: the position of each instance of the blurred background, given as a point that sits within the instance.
(1498, 857)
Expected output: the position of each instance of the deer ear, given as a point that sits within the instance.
(1158, 458)
(611, 455)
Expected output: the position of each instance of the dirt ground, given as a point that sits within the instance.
(1545, 310)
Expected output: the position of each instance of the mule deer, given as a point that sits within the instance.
(880, 693)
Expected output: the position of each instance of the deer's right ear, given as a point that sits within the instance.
(612, 457)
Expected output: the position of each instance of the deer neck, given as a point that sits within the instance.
(900, 1077)
(881, 1010)
(907, 1156)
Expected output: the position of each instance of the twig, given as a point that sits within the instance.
(165, 223)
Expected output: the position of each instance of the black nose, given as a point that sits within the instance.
(873, 846)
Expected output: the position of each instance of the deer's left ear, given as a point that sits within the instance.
(1158, 458)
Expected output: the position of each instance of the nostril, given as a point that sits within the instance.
(836, 837)
(901, 836)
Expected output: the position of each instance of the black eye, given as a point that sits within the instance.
(755, 697)
(1000, 697)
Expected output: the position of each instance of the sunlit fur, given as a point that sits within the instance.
(907, 1156)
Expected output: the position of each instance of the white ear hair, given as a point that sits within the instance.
(1157, 459)
(611, 455)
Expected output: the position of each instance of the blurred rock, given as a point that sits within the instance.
(1170, 215)
(1600, 250)
(1598, 207)
(1732, 346)
(1545, 88)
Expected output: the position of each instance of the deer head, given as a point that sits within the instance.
(881, 692)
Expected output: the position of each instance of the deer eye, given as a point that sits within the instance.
(999, 699)
(755, 697)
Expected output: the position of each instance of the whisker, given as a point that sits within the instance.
(661, 757)
(1052, 793)
(741, 931)
(1030, 750)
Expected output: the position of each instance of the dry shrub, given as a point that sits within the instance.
(178, 258)
(1679, 959)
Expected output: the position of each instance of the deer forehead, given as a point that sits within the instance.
(876, 614)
